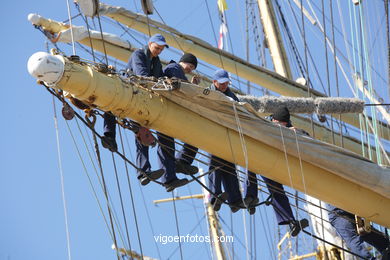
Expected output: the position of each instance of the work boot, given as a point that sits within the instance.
(185, 168)
(297, 226)
(175, 184)
(252, 211)
(236, 206)
(146, 177)
(109, 142)
(217, 202)
(250, 203)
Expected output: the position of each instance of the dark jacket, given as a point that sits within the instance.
(142, 64)
(227, 92)
(174, 69)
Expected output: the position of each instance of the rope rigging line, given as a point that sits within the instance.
(215, 38)
(90, 123)
(132, 199)
(121, 201)
(62, 181)
(327, 64)
(101, 183)
(177, 225)
(90, 182)
(192, 230)
(197, 217)
(71, 26)
(85, 19)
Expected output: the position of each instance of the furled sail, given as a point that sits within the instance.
(230, 130)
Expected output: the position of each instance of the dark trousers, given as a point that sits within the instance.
(227, 175)
(187, 154)
(344, 223)
(280, 202)
(250, 186)
(165, 155)
(109, 125)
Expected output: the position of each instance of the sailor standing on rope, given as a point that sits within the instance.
(279, 200)
(143, 62)
(225, 172)
(344, 223)
(166, 149)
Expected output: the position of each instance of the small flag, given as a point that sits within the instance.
(222, 5)
(222, 34)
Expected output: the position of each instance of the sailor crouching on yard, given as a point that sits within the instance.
(143, 62)
(225, 172)
(279, 200)
(166, 149)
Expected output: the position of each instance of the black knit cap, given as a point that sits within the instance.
(189, 58)
(282, 115)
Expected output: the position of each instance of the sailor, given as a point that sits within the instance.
(143, 62)
(344, 223)
(279, 200)
(224, 171)
(166, 150)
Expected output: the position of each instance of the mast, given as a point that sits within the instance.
(275, 43)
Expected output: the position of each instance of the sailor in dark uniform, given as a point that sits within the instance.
(166, 151)
(225, 172)
(279, 200)
(344, 223)
(143, 62)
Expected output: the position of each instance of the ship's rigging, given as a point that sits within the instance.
(221, 55)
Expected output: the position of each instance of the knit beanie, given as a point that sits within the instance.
(282, 115)
(189, 58)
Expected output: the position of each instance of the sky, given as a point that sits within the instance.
(32, 221)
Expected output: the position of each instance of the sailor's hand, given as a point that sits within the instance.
(195, 80)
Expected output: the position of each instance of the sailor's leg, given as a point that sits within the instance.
(109, 125)
(187, 153)
(108, 139)
(142, 157)
(230, 182)
(280, 202)
(377, 239)
(250, 186)
(344, 224)
(166, 157)
(214, 183)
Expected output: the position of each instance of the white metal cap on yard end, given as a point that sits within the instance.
(46, 67)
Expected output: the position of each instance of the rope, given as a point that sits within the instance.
(177, 226)
(327, 64)
(121, 200)
(71, 26)
(132, 200)
(212, 27)
(105, 191)
(89, 177)
(101, 35)
(62, 181)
